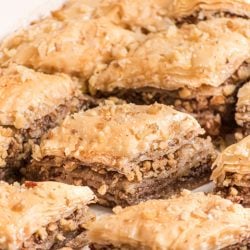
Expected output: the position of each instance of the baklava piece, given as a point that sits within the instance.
(190, 221)
(75, 47)
(232, 172)
(30, 104)
(46, 215)
(193, 11)
(125, 153)
(242, 116)
(199, 75)
(157, 15)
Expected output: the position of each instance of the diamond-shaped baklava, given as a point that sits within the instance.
(30, 104)
(153, 15)
(72, 47)
(156, 15)
(125, 153)
(196, 68)
(191, 221)
(232, 172)
(46, 215)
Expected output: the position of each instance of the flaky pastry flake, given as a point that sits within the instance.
(191, 221)
(235, 161)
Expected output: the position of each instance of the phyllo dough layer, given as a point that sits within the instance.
(191, 221)
(30, 104)
(232, 172)
(199, 75)
(42, 215)
(72, 47)
(153, 15)
(126, 153)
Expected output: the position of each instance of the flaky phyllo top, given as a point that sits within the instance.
(206, 54)
(26, 209)
(72, 47)
(232, 167)
(156, 15)
(119, 136)
(27, 95)
(191, 221)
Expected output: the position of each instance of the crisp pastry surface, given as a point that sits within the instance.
(210, 52)
(25, 209)
(73, 47)
(116, 135)
(27, 95)
(178, 9)
(235, 161)
(6, 137)
(152, 15)
(192, 221)
(244, 96)
(157, 15)
(145, 15)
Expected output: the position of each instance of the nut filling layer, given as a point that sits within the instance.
(143, 152)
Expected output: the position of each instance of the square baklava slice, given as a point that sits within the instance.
(126, 153)
(46, 215)
(242, 115)
(191, 221)
(75, 47)
(231, 172)
(30, 104)
(196, 68)
(155, 15)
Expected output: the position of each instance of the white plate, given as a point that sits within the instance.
(100, 211)
(15, 14)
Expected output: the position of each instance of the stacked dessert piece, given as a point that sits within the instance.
(232, 172)
(191, 221)
(44, 215)
(69, 46)
(30, 104)
(199, 75)
(125, 153)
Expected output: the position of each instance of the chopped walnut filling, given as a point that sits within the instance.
(150, 178)
(66, 233)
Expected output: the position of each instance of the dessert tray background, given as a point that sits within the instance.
(15, 14)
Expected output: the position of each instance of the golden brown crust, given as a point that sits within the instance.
(119, 136)
(232, 166)
(27, 95)
(136, 15)
(25, 209)
(178, 9)
(157, 15)
(208, 55)
(150, 15)
(192, 221)
(73, 47)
